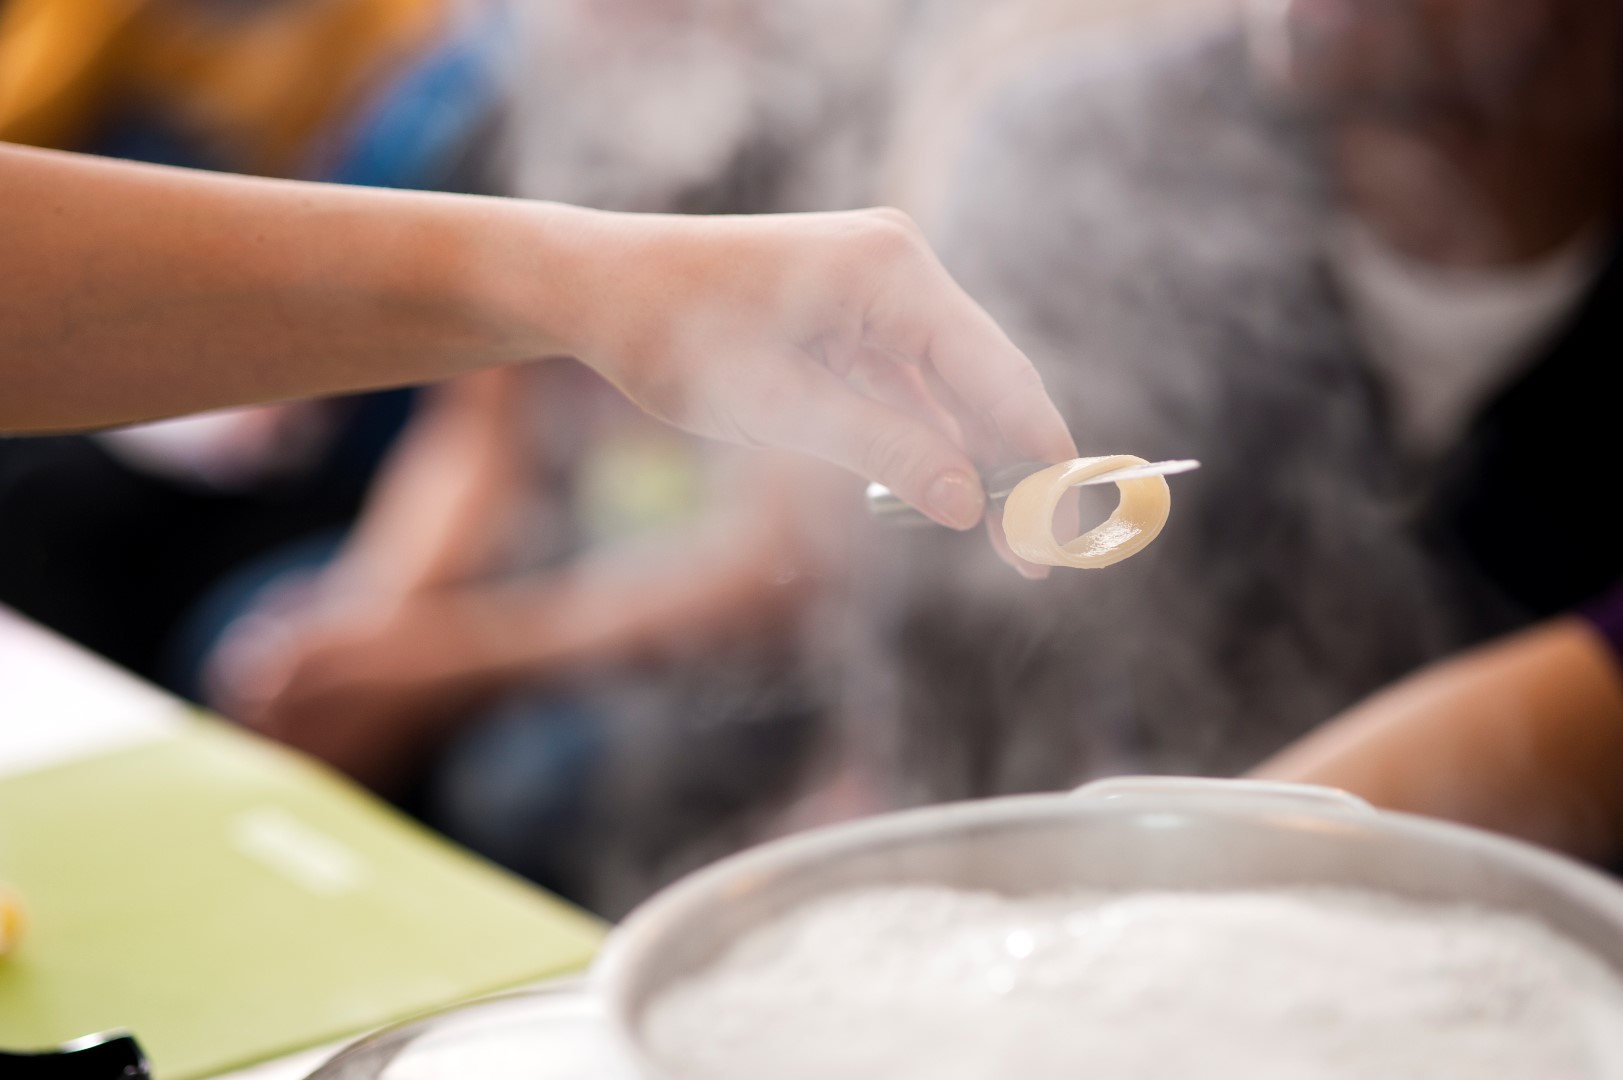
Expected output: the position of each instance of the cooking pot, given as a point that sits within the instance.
(1120, 835)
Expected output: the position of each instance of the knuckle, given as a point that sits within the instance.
(893, 218)
(895, 453)
(892, 236)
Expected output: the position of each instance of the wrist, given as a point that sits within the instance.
(607, 288)
(563, 276)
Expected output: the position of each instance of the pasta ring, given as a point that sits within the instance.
(1140, 514)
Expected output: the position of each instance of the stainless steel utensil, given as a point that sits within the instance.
(886, 506)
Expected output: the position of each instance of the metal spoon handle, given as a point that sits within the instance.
(887, 507)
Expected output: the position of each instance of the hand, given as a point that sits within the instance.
(365, 690)
(839, 335)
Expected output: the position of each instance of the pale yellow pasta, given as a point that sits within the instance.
(1028, 514)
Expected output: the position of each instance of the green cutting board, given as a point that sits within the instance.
(228, 902)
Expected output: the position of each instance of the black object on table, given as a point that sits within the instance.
(110, 1055)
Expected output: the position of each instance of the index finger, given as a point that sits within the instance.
(974, 357)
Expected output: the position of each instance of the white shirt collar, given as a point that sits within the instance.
(1444, 340)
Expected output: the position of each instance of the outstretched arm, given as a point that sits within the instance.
(137, 291)
(134, 291)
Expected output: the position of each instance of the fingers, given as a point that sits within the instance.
(249, 668)
(936, 324)
(905, 388)
(982, 366)
(982, 441)
(815, 412)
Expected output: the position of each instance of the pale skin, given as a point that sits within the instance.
(135, 292)
(1523, 736)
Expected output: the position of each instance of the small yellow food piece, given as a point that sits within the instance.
(11, 920)
(1141, 513)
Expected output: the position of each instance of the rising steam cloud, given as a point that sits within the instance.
(1148, 225)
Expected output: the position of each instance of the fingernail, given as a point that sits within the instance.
(955, 500)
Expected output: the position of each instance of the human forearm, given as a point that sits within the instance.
(1524, 736)
(136, 291)
(211, 290)
(621, 606)
(364, 690)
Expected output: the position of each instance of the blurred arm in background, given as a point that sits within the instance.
(1476, 147)
(137, 291)
(421, 621)
(1523, 736)
(437, 515)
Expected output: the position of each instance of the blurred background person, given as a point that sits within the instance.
(563, 634)
(1521, 734)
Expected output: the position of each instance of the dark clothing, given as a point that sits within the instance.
(1606, 616)
(115, 558)
(1530, 501)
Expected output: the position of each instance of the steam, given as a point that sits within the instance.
(1149, 228)
(709, 105)
(1149, 225)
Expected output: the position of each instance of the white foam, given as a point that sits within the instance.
(936, 984)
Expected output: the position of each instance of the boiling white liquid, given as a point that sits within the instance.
(938, 984)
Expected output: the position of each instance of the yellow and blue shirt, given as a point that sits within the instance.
(364, 91)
